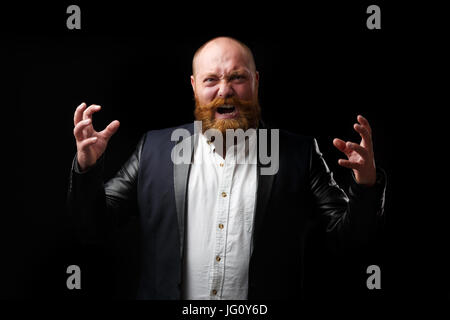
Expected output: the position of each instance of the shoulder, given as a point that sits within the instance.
(296, 141)
(163, 138)
(166, 133)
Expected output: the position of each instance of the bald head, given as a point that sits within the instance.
(223, 46)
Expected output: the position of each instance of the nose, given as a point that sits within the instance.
(225, 90)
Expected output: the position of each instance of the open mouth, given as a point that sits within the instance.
(226, 112)
(226, 109)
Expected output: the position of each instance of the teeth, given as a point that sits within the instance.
(227, 106)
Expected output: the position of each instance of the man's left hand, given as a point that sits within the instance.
(359, 156)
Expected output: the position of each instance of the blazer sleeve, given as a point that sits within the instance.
(96, 207)
(350, 218)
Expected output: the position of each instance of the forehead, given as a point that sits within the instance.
(222, 57)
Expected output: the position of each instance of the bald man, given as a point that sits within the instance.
(218, 228)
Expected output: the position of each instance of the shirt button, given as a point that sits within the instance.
(224, 194)
(214, 292)
(217, 258)
(220, 226)
(221, 164)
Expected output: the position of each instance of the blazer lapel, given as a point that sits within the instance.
(263, 192)
(180, 182)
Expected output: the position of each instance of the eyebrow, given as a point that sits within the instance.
(209, 75)
(238, 72)
(232, 73)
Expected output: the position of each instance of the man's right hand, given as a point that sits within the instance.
(90, 143)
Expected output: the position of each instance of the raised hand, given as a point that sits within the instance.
(90, 143)
(359, 156)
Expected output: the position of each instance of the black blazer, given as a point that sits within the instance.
(301, 195)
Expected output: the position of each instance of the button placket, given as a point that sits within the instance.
(224, 198)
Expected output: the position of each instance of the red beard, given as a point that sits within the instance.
(249, 113)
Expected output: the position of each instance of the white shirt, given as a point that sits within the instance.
(219, 224)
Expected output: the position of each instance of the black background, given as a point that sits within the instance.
(319, 67)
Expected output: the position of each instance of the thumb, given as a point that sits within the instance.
(339, 144)
(110, 129)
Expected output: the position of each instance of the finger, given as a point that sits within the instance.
(78, 116)
(349, 164)
(365, 135)
(363, 121)
(339, 144)
(359, 149)
(87, 114)
(78, 130)
(110, 129)
(87, 142)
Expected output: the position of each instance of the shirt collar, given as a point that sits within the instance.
(212, 148)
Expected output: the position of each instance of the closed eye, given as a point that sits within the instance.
(237, 77)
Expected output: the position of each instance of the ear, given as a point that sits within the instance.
(256, 79)
(193, 83)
